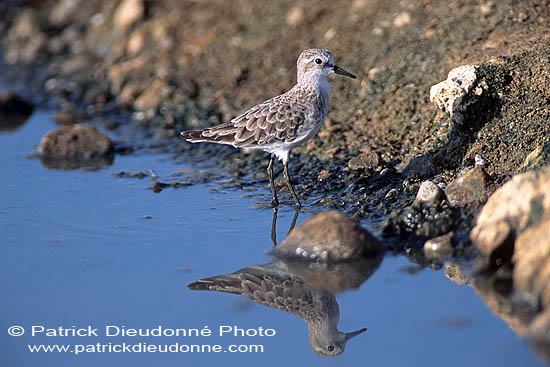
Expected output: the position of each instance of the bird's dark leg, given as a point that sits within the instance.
(293, 221)
(274, 227)
(275, 201)
(287, 179)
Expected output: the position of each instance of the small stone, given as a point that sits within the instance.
(127, 13)
(130, 91)
(469, 187)
(486, 8)
(372, 73)
(456, 273)
(417, 167)
(295, 16)
(392, 194)
(329, 34)
(324, 175)
(439, 247)
(387, 171)
(364, 161)
(522, 17)
(328, 236)
(430, 193)
(62, 12)
(402, 19)
(25, 25)
(136, 41)
(479, 160)
(75, 142)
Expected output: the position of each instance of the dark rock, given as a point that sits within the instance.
(420, 219)
(469, 188)
(14, 111)
(159, 186)
(75, 142)
(417, 167)
(190, 87)
(328, 236)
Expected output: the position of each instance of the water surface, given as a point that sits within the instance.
(84, 247)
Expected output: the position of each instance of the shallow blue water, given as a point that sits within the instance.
(89, 249)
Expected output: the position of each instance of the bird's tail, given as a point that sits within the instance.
(192, 135)
(228, 283)
(221, 134)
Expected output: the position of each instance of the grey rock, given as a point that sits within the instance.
(430, 193)
(14, 111)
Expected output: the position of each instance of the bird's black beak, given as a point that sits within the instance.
(341, 71)
(354, 333)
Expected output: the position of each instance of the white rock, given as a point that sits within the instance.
(449, 95)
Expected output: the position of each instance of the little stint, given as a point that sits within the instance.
(280, 123)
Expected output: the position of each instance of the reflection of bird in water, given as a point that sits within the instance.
(272, 285)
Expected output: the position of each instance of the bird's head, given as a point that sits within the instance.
(316, 63)
(331, 344)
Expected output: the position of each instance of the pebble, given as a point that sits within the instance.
(75, 142)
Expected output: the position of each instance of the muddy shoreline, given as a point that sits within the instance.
(142, 71)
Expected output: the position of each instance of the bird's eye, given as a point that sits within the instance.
(330, 348)
(319, 62)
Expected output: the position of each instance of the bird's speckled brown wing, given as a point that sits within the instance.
(274, 120)
(258, 283)
(287, 295)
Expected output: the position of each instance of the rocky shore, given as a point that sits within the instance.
(444, 138)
